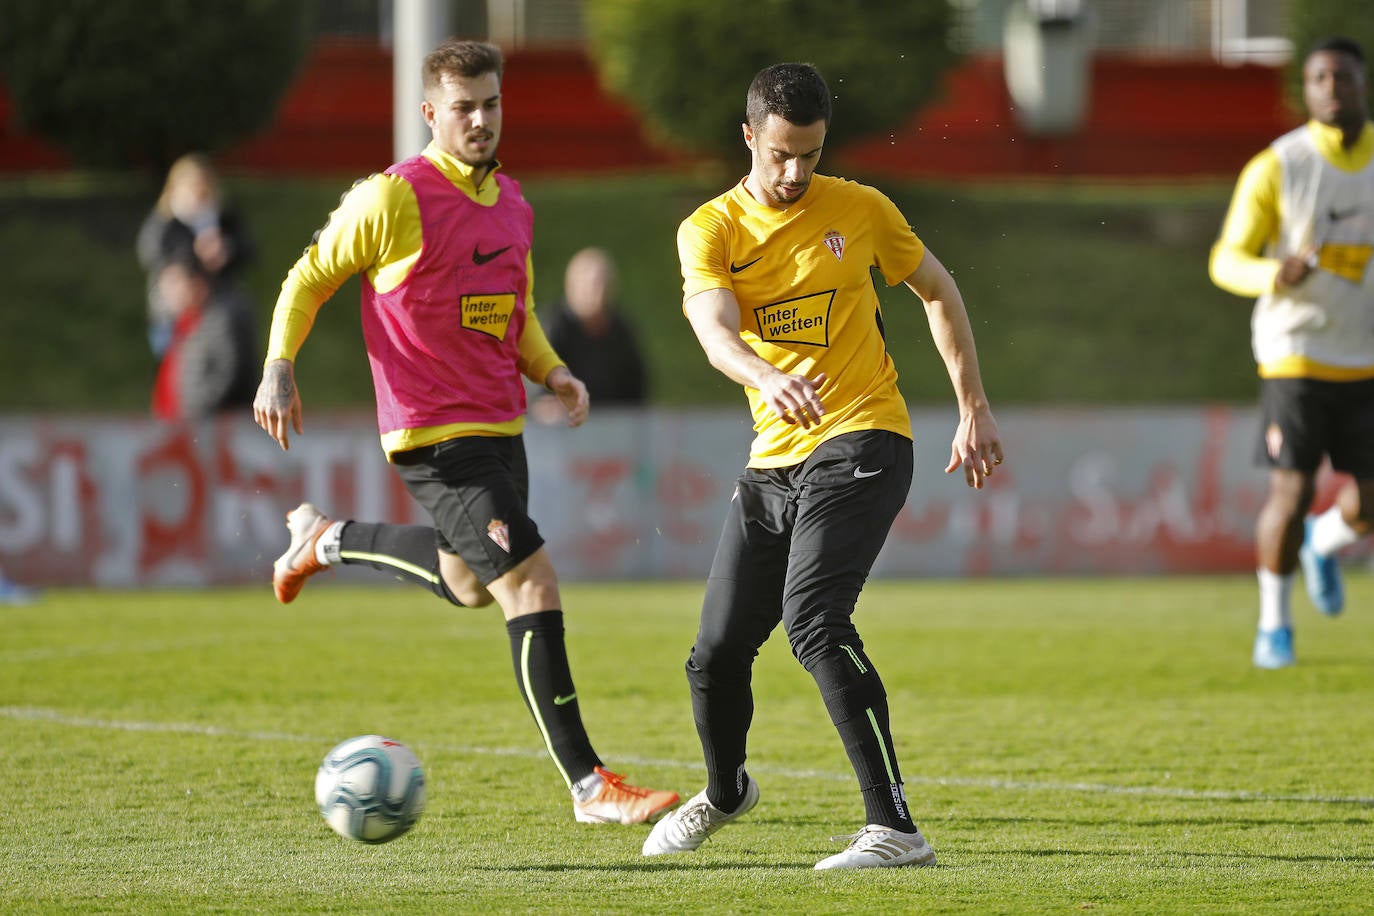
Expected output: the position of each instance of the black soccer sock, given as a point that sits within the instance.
(541, 670)
(723, 708)
(405, 551)
(857, 702)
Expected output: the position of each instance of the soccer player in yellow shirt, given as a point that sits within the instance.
(1298, 237)
(777, 287)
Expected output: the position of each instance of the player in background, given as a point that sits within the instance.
(778, 289)
(1298, 236)
(443, 243)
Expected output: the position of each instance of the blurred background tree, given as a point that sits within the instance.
(207, 74)
(685, 65)
(1309, 21)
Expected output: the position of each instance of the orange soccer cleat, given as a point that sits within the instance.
(291, 569)
(618, 802)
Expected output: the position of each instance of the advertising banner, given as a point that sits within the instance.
(130, 502)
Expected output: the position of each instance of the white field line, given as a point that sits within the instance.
(1011, 785)
(151, 647)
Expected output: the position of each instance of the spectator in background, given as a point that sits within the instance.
(1298, 237)
(211, 362)
(590, 332)
(190, 222)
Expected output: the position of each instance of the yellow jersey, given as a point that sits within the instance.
(807, 302)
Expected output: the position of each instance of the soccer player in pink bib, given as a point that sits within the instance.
(442, 242)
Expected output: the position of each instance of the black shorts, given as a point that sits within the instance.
(1303, 419)
(476, 489)
(799, 541)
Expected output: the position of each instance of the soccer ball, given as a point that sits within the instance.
(370, 789)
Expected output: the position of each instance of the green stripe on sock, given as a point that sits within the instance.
(878, 733)
(385, 560)
(854, 657)
(528, 688)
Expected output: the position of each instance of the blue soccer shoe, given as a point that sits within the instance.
(1274, 648)
(1321, 575)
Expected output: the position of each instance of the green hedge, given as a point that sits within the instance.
(206, 74)
(1078, 295)
(683, 66)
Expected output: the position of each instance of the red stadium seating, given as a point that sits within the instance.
(1146, 119)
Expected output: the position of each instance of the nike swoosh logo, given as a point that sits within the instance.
(736, 268)
(1336, 215)
(860, 473)
(481, 257)
(564, 701)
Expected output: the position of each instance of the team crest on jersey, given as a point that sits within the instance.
(499, 532)
(835, 242)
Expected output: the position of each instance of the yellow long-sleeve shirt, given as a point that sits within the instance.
(376, 231)
(1306, 331)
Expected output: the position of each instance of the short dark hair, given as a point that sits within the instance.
(797, 93)
(1341, 45)
(461, 58)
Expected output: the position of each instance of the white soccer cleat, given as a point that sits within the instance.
(689, 826)
(291, 569)
(877, 846)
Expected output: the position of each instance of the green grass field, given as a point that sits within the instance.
(1069, 745)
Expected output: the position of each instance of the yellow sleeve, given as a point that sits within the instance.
(1237, 263)
(537, 357)
(704, 254)
(896, 249)
(375, 229)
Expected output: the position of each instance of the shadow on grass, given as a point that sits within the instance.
(652, 866)
(1145, 822)
(1170, 858)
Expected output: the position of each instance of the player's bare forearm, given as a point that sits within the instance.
(729, 355)
(949, 328)
(714, 316)
(277, 405)
(977, 444)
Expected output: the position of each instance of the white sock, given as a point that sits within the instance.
(327, 546)
(1275, 607)
(1330, 532)
(587, 786)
